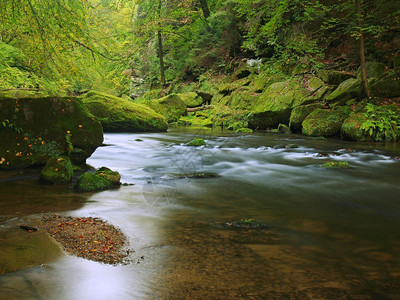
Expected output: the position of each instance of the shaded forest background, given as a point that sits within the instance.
(69, 46)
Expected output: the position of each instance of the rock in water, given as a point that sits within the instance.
(58, 170)
(89, 182)
(120, 115)
(32, 130)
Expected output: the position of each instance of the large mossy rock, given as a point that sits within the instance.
(172, 107)
(58, 170)
(387, 87)
(299, 114)
(275, 104)
(323, 122)
(113, 176)
(374, 69)
(347, 90)
(89, 182)
(191, 99)
(121, 115)
(351, 128)
(334, 77)
(32, 130)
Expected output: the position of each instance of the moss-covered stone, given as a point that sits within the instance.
(334, 77)
(387, 87)
(283, 128)
(120, 115)
(37, 129)
(347, 90)
(374, 69)
(351, 128)
(113, 176)
(323, 122)
(18, 94)
(58, 170)
(171, 107)
(197, 142)
(299, 114)
(89, 182)
(275, 104)
(336, 165)
(191, 99)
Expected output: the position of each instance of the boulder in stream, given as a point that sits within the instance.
(171, 107)
(58, 170)
(102, 179)
(34, 129)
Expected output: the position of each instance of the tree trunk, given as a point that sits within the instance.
(362, 50)
(205, 9)
(161, 57)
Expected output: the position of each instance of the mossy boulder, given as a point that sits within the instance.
(387, 87)
(113, 176)
(243, 98)
(58, 170)
(351, 128)
(323, 122)
(191, 99)
(275, 104)
(336, 165)
(374, 69)
(334, 77)
(197, 142)
(32, 130)
(347, 90)
(89, 182)
(121, 115)
(172, 107)
(299, 114)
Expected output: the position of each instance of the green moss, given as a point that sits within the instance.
(323, 122)
(299, 114)
(191, 99)
(276, 103)
(196, 142)
(244, 130)
(112, 176)
(347, 90)
(351, 128)
(171, 107)
(44, 123)
(336, 165)
(58, 170)
(120, 115)
(387, 86)
(89, 182)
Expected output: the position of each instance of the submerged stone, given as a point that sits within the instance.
(58, 170)
(245, 224)
(196, 175)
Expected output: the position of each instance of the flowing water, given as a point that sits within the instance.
(331, 234)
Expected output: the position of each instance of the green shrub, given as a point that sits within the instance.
(383, 122)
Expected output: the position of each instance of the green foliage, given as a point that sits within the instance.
(383, 122)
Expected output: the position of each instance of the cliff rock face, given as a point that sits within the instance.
(32, 130)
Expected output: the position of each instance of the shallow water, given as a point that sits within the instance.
(334, 234)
